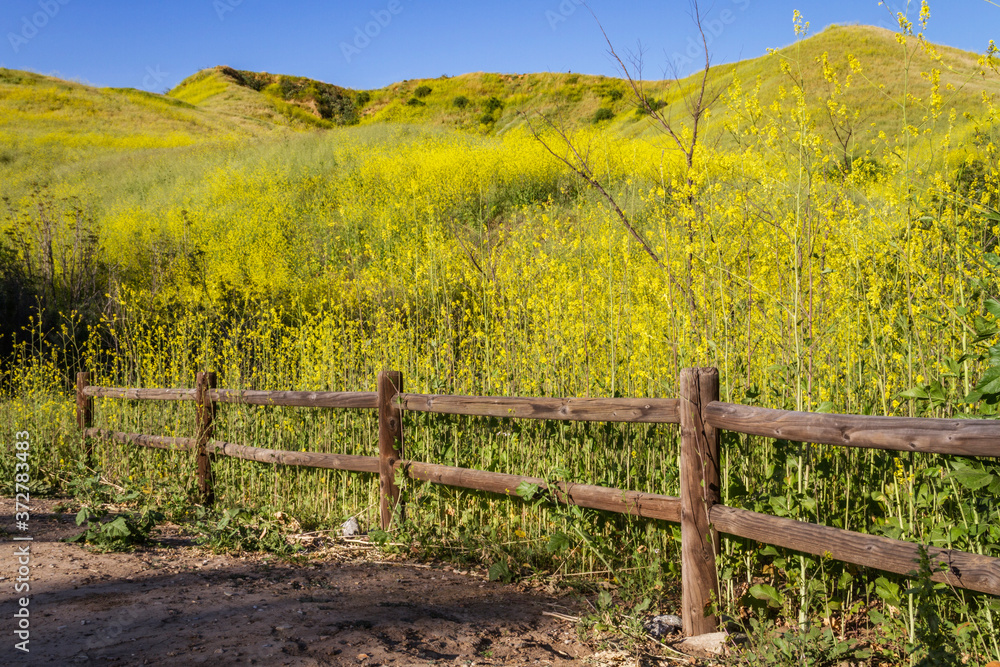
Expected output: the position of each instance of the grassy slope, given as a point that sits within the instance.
(572, 99)
(65, 133)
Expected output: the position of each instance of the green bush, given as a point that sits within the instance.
(603, 113)
(461, 101)
(362, 98)
(654, 104)
(487, 119)
(493, 103)
(238, 530)
(123, 533)
(414, 102)
(422, 91)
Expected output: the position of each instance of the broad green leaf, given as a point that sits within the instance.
(117, 528)
(972, 478)
(499, 572)
(914, 392)
(989, 383)
(527, 491)
(766, 593)
(993, 307)
(995, 355)
(558, 542)
(984, 328)
(887, 591)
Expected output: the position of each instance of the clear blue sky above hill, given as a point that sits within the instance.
(154, 45)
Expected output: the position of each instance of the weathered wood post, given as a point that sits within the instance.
(84, 412)
(390, 442)
(699, 491)
(205, 409)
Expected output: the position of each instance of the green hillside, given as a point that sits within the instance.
(491, 102)
(273, 98)
(62, 121)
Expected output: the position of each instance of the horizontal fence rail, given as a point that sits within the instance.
(698, 510)
(646, 410)
(151, 394)
(304, 399)
(963, 569)
(966, 437)
(650, 505)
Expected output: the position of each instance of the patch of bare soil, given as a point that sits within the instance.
(177, 604)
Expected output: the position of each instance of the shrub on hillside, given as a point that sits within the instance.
(603, 113)
(414, 102)
(655, 105)
(422, 91)
(493, 103)
(461, 101)
(362, 98)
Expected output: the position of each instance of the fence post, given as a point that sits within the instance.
(205, 409)
(699, 491)
(390, 442)
(84, 412)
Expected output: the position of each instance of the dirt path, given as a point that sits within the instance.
(176, 604)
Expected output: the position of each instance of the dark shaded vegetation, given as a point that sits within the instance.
(324, 100)
(50, 265)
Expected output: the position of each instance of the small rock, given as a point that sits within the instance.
(661, 626)
(704, 646)
(350, 527)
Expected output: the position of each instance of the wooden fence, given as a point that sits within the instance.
(698, 509)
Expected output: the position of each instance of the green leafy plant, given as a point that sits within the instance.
(422, 91)
(236, 530)
(121, 533)
(812, 647)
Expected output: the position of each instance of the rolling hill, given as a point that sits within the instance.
(491, 102)
(55, 131)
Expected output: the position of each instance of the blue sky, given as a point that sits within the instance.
(155, 44)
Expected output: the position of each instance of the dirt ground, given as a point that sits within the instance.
(177, 604)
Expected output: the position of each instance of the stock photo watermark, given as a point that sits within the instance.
(108, 634)
(562, 13)
(713, 27)
(223, 7)
(363, 37)
(31, 25)
(154, 78)
(22, 542)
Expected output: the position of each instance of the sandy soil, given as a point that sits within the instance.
(177, 604)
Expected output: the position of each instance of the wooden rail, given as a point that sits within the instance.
(964, 570)
(648, 410)
(698, 509)
(967, 437)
